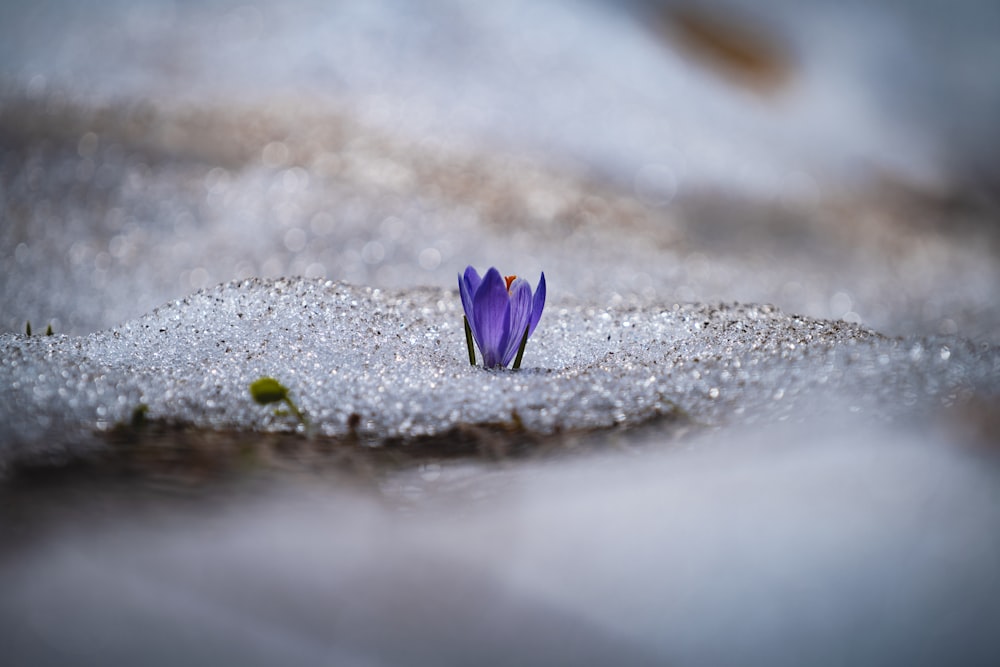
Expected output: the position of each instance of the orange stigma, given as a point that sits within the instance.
(509, 280)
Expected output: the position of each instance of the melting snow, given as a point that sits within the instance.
(397, 360)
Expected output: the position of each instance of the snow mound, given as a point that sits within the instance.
(393, 364)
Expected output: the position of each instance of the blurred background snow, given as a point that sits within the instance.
(832, 158)
(743, 94)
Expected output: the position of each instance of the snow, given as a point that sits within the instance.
(397, 360)
(756, 424)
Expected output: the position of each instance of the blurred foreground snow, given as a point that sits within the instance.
(821, 545)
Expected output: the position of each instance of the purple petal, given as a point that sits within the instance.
(520, 314)
(472, 279)
(537, 305)
(467, 286)
(491, 317)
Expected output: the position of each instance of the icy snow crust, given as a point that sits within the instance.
(397, 360)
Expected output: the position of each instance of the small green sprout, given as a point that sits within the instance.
(139, 415)
(267, 390)
(27, 329)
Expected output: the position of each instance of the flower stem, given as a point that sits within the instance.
(295, 411)
(468, 341)
(520, 350)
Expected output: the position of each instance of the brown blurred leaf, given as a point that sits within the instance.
(733, 46)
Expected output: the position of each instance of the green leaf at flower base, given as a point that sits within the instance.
(520, 349)
(468, 342)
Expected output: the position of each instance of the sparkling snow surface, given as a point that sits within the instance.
(398, 361)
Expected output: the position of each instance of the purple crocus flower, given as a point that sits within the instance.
(499, 310)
